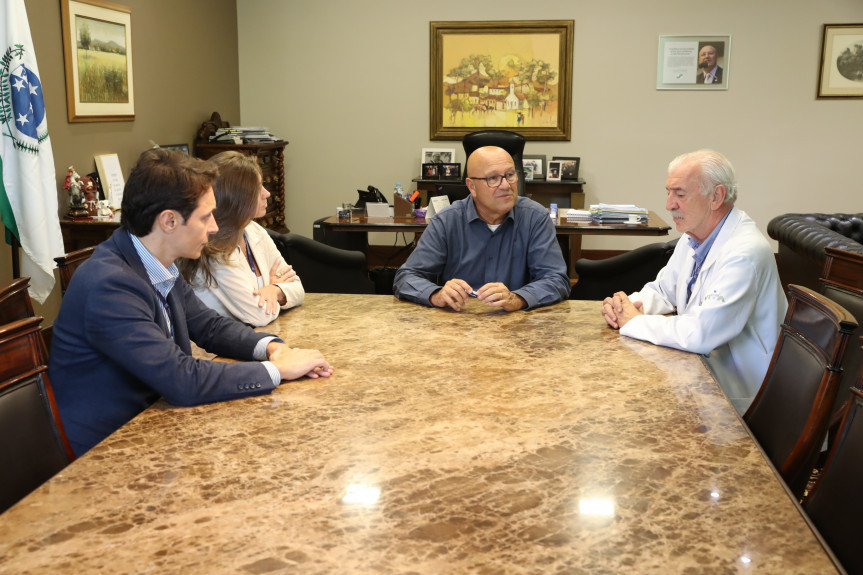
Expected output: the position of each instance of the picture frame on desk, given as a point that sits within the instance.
(430, 171)
(438, 155)
(554, 171)
(450, 171)
(537, 162)
(568, 167)
(182, 147)
(99, 81)
(528, 172)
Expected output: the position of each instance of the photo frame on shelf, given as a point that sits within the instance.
(111, 176)
(97, 48)
(537, 162)
(554, 171)
(450, 171)
(480, 77)
(181, 147)
(693, 63)
(430, 171)
(528, 172)
(568, 167)
(438, 155)
(840, 74)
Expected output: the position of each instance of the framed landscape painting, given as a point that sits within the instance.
(501, 75)
(97, 47)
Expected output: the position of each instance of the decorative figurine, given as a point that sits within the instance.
(77, 209)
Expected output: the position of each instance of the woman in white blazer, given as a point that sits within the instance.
(241, 273)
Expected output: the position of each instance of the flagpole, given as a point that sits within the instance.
(16, 264)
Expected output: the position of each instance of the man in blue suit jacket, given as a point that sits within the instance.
(122, 337)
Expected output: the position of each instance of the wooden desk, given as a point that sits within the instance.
(361, 224)
(480, 441)
(80, 233)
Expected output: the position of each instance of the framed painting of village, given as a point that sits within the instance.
(513, 75)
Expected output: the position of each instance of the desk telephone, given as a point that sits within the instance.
(372, 194)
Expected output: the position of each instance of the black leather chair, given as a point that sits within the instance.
(509, 141)
(790, 414)
(598, 279)
(835, 502)
(34, 445)
(842, 282)
(323, 268)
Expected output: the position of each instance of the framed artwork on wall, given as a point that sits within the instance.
(513, 75)
(693, 63)
(97, 48)
(841, 71)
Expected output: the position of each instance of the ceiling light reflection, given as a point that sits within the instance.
(714, 494)
(596, 506)
(746, 560)
(360, 494)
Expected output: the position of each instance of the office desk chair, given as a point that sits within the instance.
(67, 265)
(509, 141)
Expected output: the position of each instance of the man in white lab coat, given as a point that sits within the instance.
(721, 281)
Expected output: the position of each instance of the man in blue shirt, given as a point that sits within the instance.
(122, 337)
(493, 245)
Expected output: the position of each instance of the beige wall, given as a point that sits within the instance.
(347, 83)
(185, 66)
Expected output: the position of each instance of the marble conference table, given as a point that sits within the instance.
(471, 442)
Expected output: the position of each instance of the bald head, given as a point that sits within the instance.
(481, 157)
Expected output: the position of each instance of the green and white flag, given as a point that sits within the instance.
(28, 193)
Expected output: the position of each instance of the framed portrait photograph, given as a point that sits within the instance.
(509, 75)
(568, 167)
(841, 72)
(450, 171)
(438, 155)
(554, 171)
(537, 162)
(528, 173)
(97, 48)
(430, 171)
(693, 63)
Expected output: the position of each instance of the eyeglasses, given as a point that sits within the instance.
(495, 181)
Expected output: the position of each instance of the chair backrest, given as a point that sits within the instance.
(627, 272)
(67, 265)
(509, 141)
(15, 301)
(842, 282)
(790, 413)
(34, 445)
(323, 268)
(835, 503)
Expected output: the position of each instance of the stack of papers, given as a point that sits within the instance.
(243, 134)
(578, 215)
(617, 213)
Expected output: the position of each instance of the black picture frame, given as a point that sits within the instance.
(450, 171)
(181, 147)
(568, 167)
(430, 171)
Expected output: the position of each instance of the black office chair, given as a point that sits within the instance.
(509, 141)
(790, 414)
(598, 279)
(34, 445)
(323, 268)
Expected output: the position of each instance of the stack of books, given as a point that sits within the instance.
(617, 213)
(243, 135)
(577, 215)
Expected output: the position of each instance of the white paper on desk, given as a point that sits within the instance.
(108, 166)
(377, 210)
(436, 204)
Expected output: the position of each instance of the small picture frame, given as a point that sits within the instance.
(431, 171)
(554, 171)
(693, 62)
(438, 155)
(450, 171)
(528, 172)
(568, 167)
(537, 162)
(841, 72)
(182, 147)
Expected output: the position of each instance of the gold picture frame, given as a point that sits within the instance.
(97, 50)
(511, 75)
(840, 74)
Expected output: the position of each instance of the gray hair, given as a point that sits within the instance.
(716, 170)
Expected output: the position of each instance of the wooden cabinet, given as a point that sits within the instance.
(271, 157)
